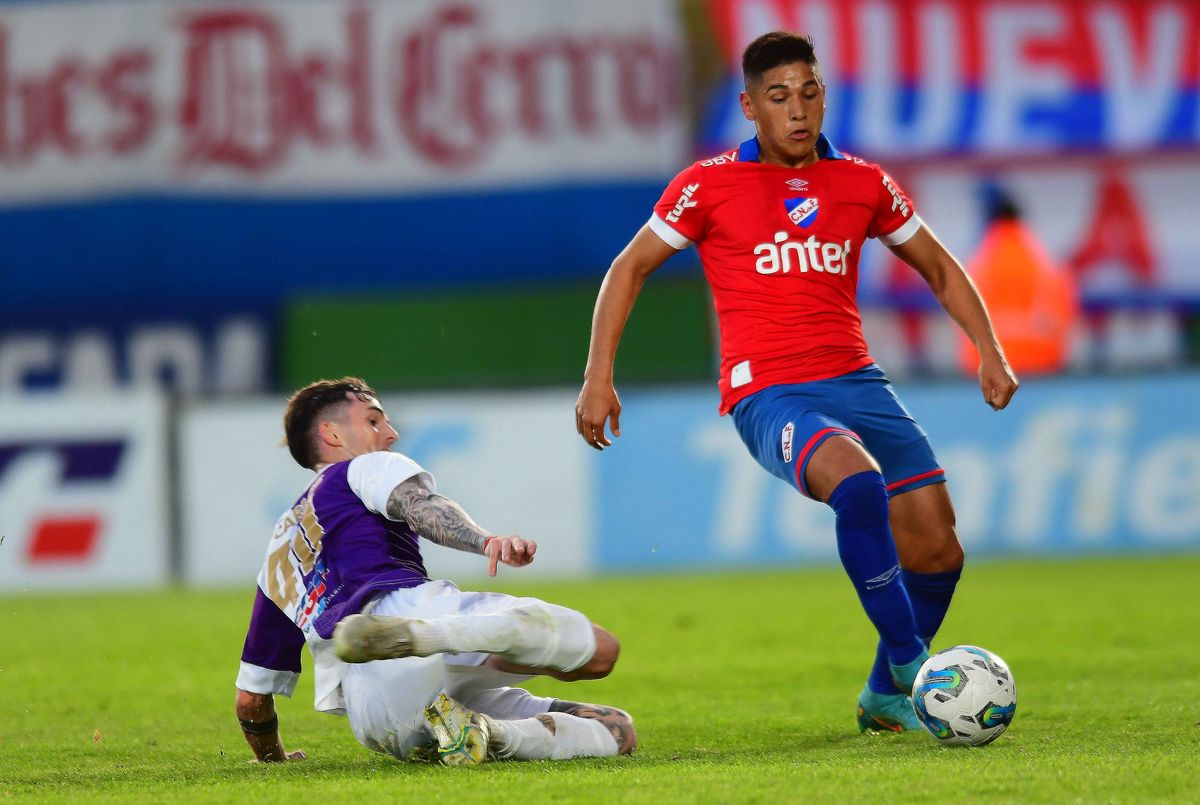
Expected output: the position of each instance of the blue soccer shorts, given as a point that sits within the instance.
(784, 425)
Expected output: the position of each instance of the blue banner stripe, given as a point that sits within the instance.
(252, 251)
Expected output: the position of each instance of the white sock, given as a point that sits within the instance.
(529, 739)
(538, 635)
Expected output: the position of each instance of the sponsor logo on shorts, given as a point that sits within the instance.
(788, 431)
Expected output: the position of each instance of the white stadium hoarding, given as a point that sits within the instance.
(1073, 467)
(330, 96)
(494, 454)
(83, 492)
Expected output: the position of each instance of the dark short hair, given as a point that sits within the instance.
(307, 405)
(773, 49)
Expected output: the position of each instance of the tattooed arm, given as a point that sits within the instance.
(440, 520)
(618, 722)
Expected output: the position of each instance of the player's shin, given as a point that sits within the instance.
(868, 554)
(534, 634)
(880, 680)
(552, 736)
(930, 594)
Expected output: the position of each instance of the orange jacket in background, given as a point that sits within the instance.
(1033, 302)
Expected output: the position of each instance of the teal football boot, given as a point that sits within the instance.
(880, 712)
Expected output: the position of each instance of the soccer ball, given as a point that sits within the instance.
(965, 696)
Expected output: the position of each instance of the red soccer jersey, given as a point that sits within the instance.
(780, 249)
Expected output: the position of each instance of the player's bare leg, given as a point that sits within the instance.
(923, 526)
(930, 553)
(834, 461)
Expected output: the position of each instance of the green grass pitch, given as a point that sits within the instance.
(743, 688)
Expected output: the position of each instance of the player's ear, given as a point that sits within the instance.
(327, 432)
(744, 100)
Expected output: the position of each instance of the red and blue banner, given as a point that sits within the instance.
(983, 76)
(230, 154)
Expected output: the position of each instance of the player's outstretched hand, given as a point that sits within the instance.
(597, 403)
(997, 381)
(511, 550)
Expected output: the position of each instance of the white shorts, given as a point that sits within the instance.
(385, 699)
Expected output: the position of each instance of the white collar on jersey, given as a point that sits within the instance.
(748, 151)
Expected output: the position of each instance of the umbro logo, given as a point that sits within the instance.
(798, 184)
(883, 579)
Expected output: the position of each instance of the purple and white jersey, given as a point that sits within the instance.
(331, 553)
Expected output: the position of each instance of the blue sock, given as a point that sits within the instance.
(930, 594)
(868, 554)
(880, 680)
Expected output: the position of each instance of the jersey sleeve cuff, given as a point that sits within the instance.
(904, 233)
(668, 235)
(373, 477)
(256, 679)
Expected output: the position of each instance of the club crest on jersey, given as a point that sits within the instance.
(802, 211)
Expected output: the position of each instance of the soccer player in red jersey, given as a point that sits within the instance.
(779, 223)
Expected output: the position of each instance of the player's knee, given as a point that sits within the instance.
(254, 706)
(946, 552)
(938, 551)
(949, 556)
(608, 649)
(861, 500)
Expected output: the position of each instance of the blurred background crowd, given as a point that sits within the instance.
(212, 203)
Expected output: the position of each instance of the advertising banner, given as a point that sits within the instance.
(196, 352)
(910, 77)
(239, 150)
(83, 492)
(495, 455)
(1071, 467)
(332, 96)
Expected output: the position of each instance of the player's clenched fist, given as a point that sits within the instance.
(597, 403)
(511, 550)
(997, 381)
